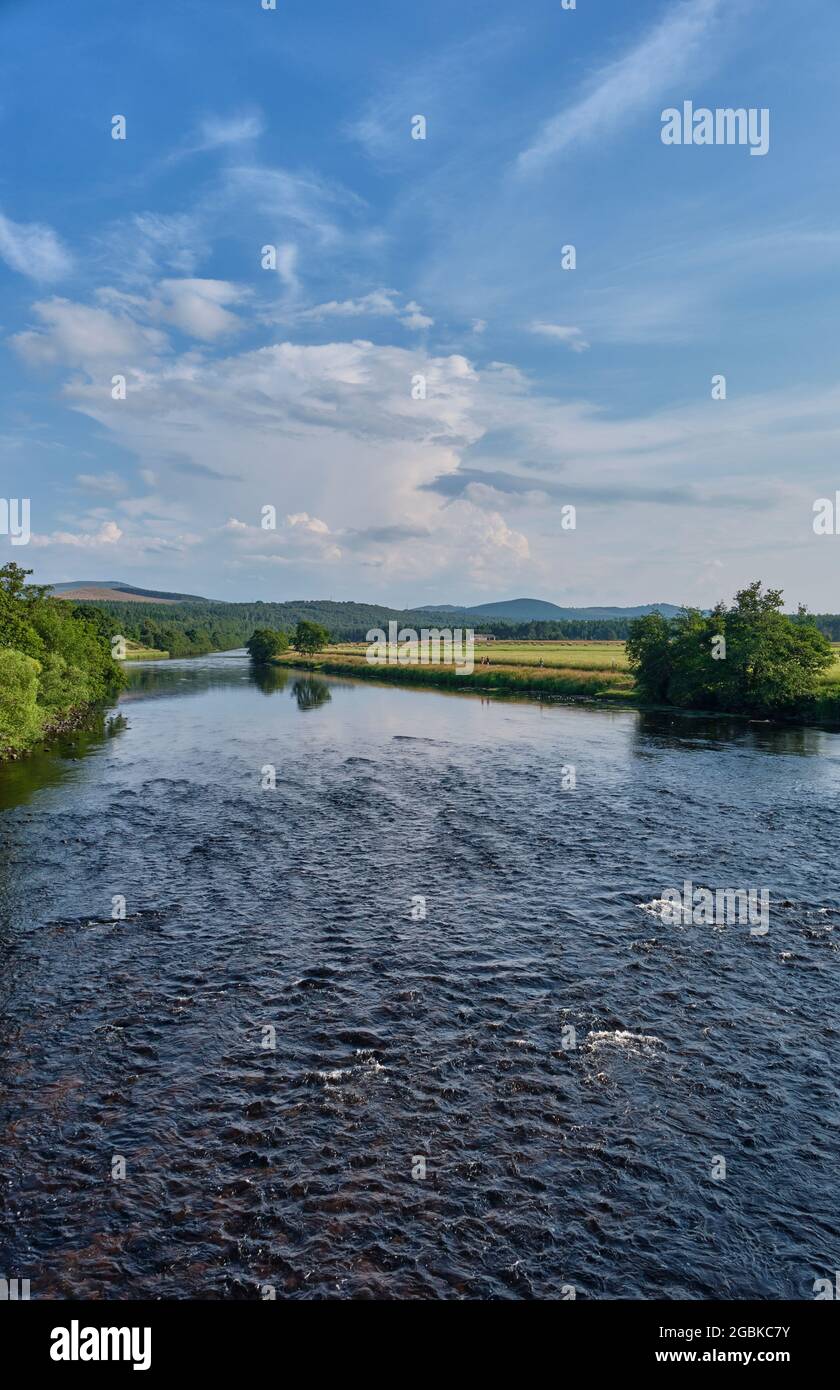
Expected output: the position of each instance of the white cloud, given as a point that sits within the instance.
(77, 335)
(562, 333)
(279, 201)
(287, 259)
(632, 83)
(197, 307)
(152, 244)
(380, 303)
(214, 132)
(110, 483)
(462, 487)
(108, 534)
(33, 249)
(306, 522)
(442, 87)
(377, 303)
(415, 318)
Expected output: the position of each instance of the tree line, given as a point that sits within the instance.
(195, 626)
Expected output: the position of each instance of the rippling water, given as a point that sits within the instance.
(447, 1039)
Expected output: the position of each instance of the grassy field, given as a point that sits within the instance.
(565, 656)
(597, 670)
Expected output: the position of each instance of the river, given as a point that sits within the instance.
(402, 1025)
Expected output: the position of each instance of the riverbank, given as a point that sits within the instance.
(70, 722)
(566, 683)
(607, 687)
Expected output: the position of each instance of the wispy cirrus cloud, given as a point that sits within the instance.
(33, 249)
(626, 86)
(441, 86)
(214, 132)
(561, 333)
(110, 483)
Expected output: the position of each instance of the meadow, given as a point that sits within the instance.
(135, 651)
(569, 656)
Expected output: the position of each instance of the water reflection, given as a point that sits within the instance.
(269, 679)
(311, 693)
(672, 729)
(50, 766)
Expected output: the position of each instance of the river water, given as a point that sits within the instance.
(280, 1035)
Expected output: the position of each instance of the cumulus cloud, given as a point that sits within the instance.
(78, 335)
(465, 481)
(107, 534)
(198, 307)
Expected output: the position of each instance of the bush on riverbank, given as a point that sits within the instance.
(265, 643)
(55, 660)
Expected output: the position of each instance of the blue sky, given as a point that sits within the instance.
(397, 258)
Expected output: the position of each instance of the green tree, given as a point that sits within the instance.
(56, 659)
(747, 658)
(650, 655)
(266, 642)
(310, 637)
(20, 718)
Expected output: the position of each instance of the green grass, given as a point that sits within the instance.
(564, 656)
(134, 651)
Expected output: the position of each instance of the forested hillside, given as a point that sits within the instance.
(203, 625)
(186, 629)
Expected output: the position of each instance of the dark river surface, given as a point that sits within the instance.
(398, 1038)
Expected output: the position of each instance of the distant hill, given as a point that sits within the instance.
(103, 590)
(537, 610)
(514, 610)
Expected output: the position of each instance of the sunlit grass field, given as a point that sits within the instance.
(134, 651)
(565, 656)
